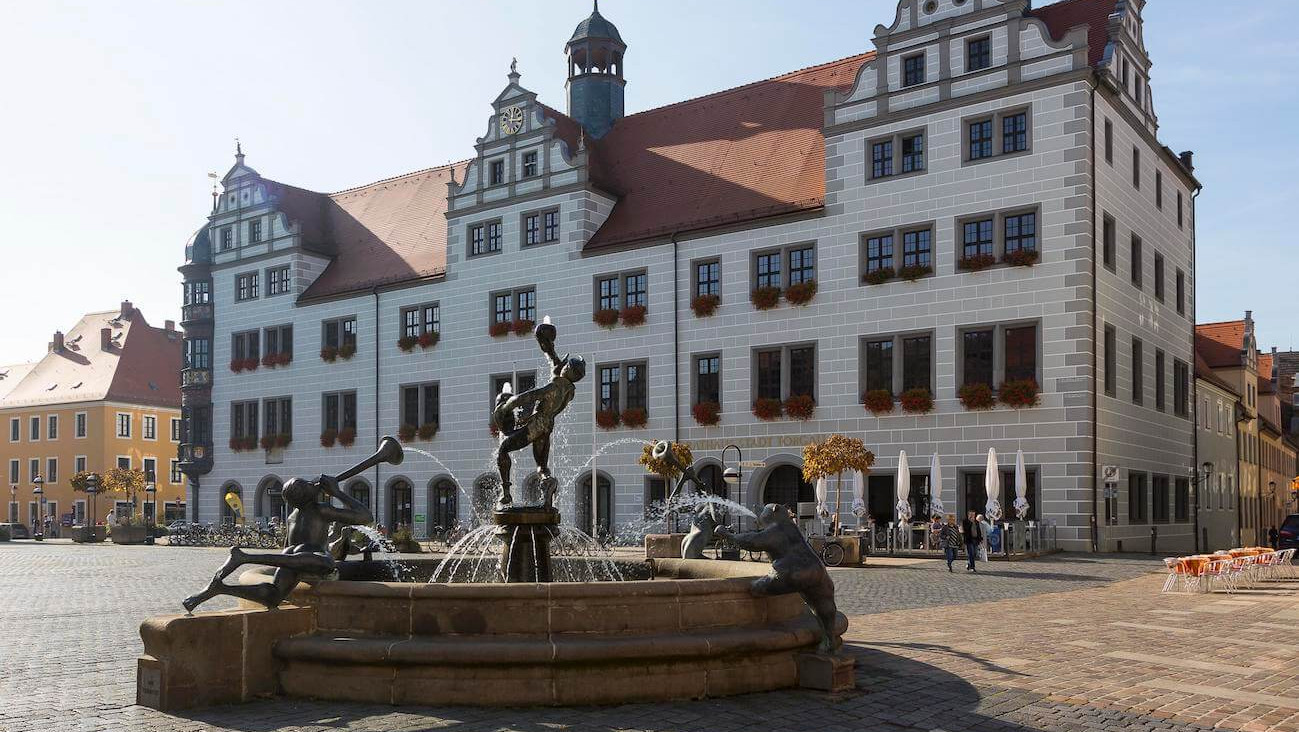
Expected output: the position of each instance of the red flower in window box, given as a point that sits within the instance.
(237, 365)
(635, 417)
(236, 444)
(430, 339)
(917, 401)
(1021, 258)
(523, 327)
(328, 438)
(768, 409)
(915, 272)
(705, 305)
(406, 432)
(283, 359)
(283, 439)
(878, 401)
(1019, 393)
(268, 441)
(427, 430)
(496, 330)
(976, 262)
(802, 293)
(329, 354)
(606, 318)
(270, 361)
(765, 298)
(347, 436)
(346, 351)
(879, 276)
(607, 419)
(800, 407)
(977, 396)
(707, 413)
(406, 343)
(633, 315)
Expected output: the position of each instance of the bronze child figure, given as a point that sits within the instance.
(308, 549)
(529, 418)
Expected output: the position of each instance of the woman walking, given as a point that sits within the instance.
(949, 536)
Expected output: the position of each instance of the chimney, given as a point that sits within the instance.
(105, 339)
(127, 310)
(169, 325)
(1188, 160)
(57, 345)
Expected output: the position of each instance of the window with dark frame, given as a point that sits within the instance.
(277, 280)
(1110, 239)
(635, 290)
(497, 173)
(978, 54)
(978, 238)
(525, 303)
(476, 233)
(1020, 232)
(1138, 373)
(802, 371)
(1111, 360)
(879, 253)
(246, 346)
(708, 379)
(227, 238)
(1136, 262)
(1136, 498)
(503, 307)
(913, 70)
(1159, 189)
(279, 416)
(1182, 500)
(769, 374)
(609, 293)
(278, 341)
(768, 270)
(802, 265)
(246, 287)
(1181, 292)
(635, 392)
(198, 353)
(917, 248)
(879, 365)
(917, 361)
(1159, 277)
(255, 230)
(977, 357)
(1181, 388)
(530, 164)
(421, 404)
(243, 419)
(980, 139)
(34, 427)
(882, 159)
(1179, 209)
(1160, 388)
(494, 236)
(550, 226)
(340, 411)
(339, 332)
(1014, 133)
(708, 278)
(149, 424)
(1159, 499)
(913, 153)
(1136, 167)
(532, 229)
(1109, 142)
(79, 425)
(1021, 353)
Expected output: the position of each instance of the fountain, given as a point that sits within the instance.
(489, 625)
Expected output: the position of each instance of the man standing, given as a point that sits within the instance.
(972, 531)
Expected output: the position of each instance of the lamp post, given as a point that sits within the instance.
(92, 490)
(732, 476)
(13, 503)
(151, 514)
(39, 493)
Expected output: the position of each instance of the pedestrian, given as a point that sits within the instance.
(935, 532)
(950, 538)
(972, 533)
(986, 529)
(1271, 537)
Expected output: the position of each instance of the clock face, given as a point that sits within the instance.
(511, 120)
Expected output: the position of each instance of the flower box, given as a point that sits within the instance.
(328, 438)
(523, 326)
(1019, 393)
(407, 343)
(976, 262)
(707, 413)
(765, 298)
(800, 407)
(406, 432)
(347, 436)
(915, 272)
(283, 439)
(917, 401)
(346, 351)
(242, 444)
(802, 293)
(632, 315)
(878, 401)
(240, 365)
(977, 396)
(879, 276)
(427, 430)
(268, 441)
(607, 419)
(272, 360)
(635, 417)
(329, 354)
(768, 409)
(705, 305)
(1021, 257)
(606, 318)
(430, 339)
(496, 330)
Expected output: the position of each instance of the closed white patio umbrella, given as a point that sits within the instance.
(822, 497)
(936, 486)
(904, 488)
(992, 486)
(1021, 486)
(858, 494)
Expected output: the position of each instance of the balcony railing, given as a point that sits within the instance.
(195, 313)
(195, 378)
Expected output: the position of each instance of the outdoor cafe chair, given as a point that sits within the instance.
(1175, 573)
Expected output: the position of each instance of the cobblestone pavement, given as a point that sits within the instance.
(1096, 648)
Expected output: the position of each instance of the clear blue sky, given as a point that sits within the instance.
(114, 113)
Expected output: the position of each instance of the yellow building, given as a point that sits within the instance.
(105, 394)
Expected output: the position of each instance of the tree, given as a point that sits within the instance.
(124, 480)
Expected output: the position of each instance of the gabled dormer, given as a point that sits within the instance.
(254, 216)
(1125, 62)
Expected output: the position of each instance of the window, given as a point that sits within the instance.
(541, 227)
(339, 332)
(1014, 133)
(277, 280)
(635, 293)
(1109, 245)
(52, 426)
(882, 159)
(497, 172)
(898, 363)
(904, 152)
(708, 379)
(1159, 502)
(530, 164)
(34, 468)
(978, 239)
(421, 405)
(917, 359)
(150, 467)
(79, 425)
(1021, 353)
(123, 424)
(175, 429)
(772, 364)
(1111, 361)
(198, 293)
(878, 360)
(609, 297)
(1181, 292)
(494, 236)
(1138, 373)
(1136, 168)
(340, 411)
(227, 239)
(124, 463)
(802, 371)
(255, 230)
(802, 265)
(1136, 498)
(150, 427)
(51, 470)
(417, 320)
(978, 54)
(879, 253)
(708, 278)
(15, 430)
(913, 70)
(1159, 382)
(503, 308)
(526, 305)
(531, 229)
(1159, 277)
(246, 287)
(913, 153)
(279, 416)
(980, 139)
(550, 226)
(1179, 209)
(1136, 261)
(476, 240)
(977, 357)
(981, 142)
(198, 353)
(485, 238)
(243, 420)
(981, 363)
(1181, 387)
(14, 467)
(246, 346)
(175, 476)
(917, 249)
(1159, 189)
(513, 305)
(1021, 232)
(78, 464)
(1182, 500)
(622, 386)
(34, 429)
(768, 266)
(1109, 142)
(278, 342)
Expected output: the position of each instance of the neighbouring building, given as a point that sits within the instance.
(1217, 405)
(1276, 463)
(104, 395)
(975, 214)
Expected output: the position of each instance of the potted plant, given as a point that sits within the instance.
(283, 439)
(524, 326)
(429, 339)
(878, 401)
(879, 276)
(406, 432)
(1019, 393)
(835, 456)
(404, 541)
(917, 401)
(428, 430)
(705, 305)
(329, 354)
(346, 351)
(707, 413)
(347, 436)
(977, 396)
(765, 298)
(914, 272)
(496, 330)
(976, 262)
(800, 407)
(328, 437)
(605, 318)
(407, 342)
(634, 417)
(270, 360)
(268, 441)
(607, 419)
(767, 409)
(632, 315)
(130, 482)
(1021, 257)
(802, 293)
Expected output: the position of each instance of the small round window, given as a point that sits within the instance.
(931, 6)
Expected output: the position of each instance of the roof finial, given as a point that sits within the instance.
(514, 71)
(596, 10)
(239, 152)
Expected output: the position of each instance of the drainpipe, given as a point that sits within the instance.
(1195, 444)
(676, 347)
(1096, 383)
(377, 486)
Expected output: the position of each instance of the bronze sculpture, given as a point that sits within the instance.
(308, 547)
(702, 528)
(794, 568)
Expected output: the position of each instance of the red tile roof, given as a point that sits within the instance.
(1220, 344)
(1060, 17)
(737, 155)
(1265, 373)
(1206, 372)
(149, 366)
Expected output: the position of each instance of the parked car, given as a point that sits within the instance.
(19, 531)
(1288, 534)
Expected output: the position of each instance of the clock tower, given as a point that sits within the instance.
(595, 81)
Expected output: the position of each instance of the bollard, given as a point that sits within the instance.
(1154, 538)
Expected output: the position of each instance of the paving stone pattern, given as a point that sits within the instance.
(1096, 648)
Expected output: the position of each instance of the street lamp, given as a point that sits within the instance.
(39, 493)
(151, 515)
(732, 476)
(13, 503)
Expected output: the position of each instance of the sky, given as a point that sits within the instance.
(114, 113)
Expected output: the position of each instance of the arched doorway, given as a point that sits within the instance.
(711, 476)
(360, 490)
(229, 516)
(487, 488)
(785, 486)
(270, 500)
(443, 508)
(401, 499)
(604, 504)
